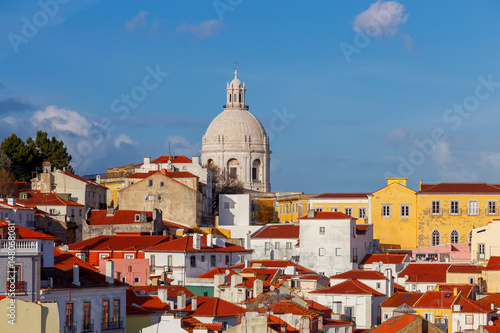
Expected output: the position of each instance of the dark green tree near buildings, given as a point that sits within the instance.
(26, 157)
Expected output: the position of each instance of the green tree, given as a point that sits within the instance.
(7, 183)
(25, 158)
(52, 150)
(5, 161)
(222, 183)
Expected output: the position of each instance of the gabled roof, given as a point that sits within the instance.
(425, 272)
(492, 328)
(148, 303)
(283, 307)
(360, 275)
(436, 300)
(172, 290)
(65, 260)
(275, 264)
(86, 181)
(395, 324)
(6, 205)
(175, 159)
(400, 298)
(465, 268)
(333, 322)
(328, 216)
(404, 308)
(459, 188)
(493, 264)
(490, 298)
(213, 272)
(349, 287)
(100, 217)
(279, 325)
(315, 306)
(120, 242)
(186, 244)
(341, 195)
(385, 258)
(278, 230)
(361, 229)
(313, 277)
(25, 233)
(215, 307)
(466, 289)
(469, 306)
(46, 199)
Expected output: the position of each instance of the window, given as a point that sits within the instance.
(454, 236)
(492, 207)
(129, 256)
(137, 280)
(137, 217)
(321, 251)
(295, 282)
(227, 260)
(454, 207)
(105, 314)
(192, 261)
(150, 183)
(79, 212)
(212, 260)
(81, 256)
(254, 174)
(103, 255)
(72, 212)
(362, 212)
(386, 316)
(319, 209)
(267, 247)
(334, 209)
(69, 316)
(232, 172)
(481, 250)
(469, 319)
(435, 238)
(435, 207)
(321, 230)
(378, 285)
(276, 245)
(473, 207)
(52, 211)
(116, 312)
(24, 196)
(338, 251)
(405, 210)
(288, 245)
(428, 316)
(202, 259)
(348, 211)
(86, 317)
(152, 261)
(471, 280)
(386, 210)
(124, 279)
(162, 184)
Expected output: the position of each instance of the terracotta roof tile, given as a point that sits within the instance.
(492, 328)
(386, 258)
(436, 300)
(466, 289)
(213, 272)
(490, 298)
(425, 272)
(493, 264)
(283, 307)
(215, 307)
(282, 230)
(275, 264)
(99, 217)
(400, 298)
(333, 322)
(359, 274)
(341, 195)
(65, 260)
(279, 325)
(172, 290)
(460, 188)
(465, 269)
(25, 233)
(176, 159)
(349, 287)
(46, 199)
(328, 216)
(147, 303)
(186, 244)
(469, 306)
(395, 324)
(361, 229)
(120, 242)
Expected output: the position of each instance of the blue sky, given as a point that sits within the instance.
(369, 89)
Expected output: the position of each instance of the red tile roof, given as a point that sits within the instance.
(466, 289)
(333, 322)
(46, 199)
(215, 307)
(386, 258)
(121, 242)
(169, 174)
(147, 303)
(341, 195)
(69, 174)
(99, 217)
(436, 300)
(186, 244)
(25, 233)
(172, 290)
(493, 264)
(284, 230)
(283, 307)
(362, 228)
(65, 260)
(398, 287)
(351, 287)
(279, 325)
(213, 272)
(459, 188)
(275, 264)
(425, 272)
(492, 328)
(465, 268)
(302, 277)
(395, 324)
(328, 216)
(469, 306)
(173, 225)
(267, 274)
(490, 298)
(5, 204)
(315, 306)
(400, 298)
(175, 159)
(358, 274)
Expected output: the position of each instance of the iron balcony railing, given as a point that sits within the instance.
(112, 325)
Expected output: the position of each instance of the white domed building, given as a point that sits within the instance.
(236, 141)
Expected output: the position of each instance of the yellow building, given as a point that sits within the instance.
(447, 212)
(291, 207)
(394, 215)
(114, 180)
(24, 317)
(356, 205)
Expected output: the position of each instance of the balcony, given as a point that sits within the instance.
(20, 246)
(70, 329)
(19, 287)
(87, 327)
(112, 325)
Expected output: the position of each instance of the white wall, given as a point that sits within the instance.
(258, 245)
(234, 210)
(23, 217)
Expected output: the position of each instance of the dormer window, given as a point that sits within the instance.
(137, 217)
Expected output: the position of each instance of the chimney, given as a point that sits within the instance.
(194, 303)
(181, 300)
(76, 275)
(196, 242)
(258, 287)
(236, 279)
(11, 201)
(492, 305)
(163, 294)
(46, 166)
(219, 279)
(147, 160)
(248, 244)
(110, 274)
(455, 291)
(311, 213)
(290, 270)
(196, 160)
(389, 282)
(210, 240)
(456, 307)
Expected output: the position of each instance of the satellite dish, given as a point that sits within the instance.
(65, 248)
(228, 272)
(474, 261)
(272, 288)
(380, 263)
(406, 277)
(490, 322)
(142, 292)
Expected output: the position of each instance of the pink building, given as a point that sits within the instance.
(457, 252)
(135, 272)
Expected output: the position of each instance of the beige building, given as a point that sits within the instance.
(178, 202)
(22, 317)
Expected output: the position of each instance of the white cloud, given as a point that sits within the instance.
(123, 138)
(182, 146)
(203, 30)
(63, 120)
(138, 20)
(382, 18)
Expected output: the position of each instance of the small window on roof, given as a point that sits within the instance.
(447, 295)
(406, 296)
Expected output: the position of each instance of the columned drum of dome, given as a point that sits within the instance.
(236, 141)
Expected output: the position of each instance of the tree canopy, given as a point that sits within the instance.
(26, 156)
(222, 183)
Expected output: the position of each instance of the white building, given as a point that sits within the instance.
(380, 262)
(332, 242)
(276, 241)
(17, 214)
(484, 242)
(237, 142)
(193, 255)
(235, 215)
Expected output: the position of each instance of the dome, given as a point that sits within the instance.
(235, 84)
(235, 126)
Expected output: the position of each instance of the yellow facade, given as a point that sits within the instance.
(292, 207)
(451, 216)
(113, 189)
(437, 314)
(28, 317)
(357, 207)
(394, 215)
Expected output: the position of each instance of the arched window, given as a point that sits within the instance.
(232, 167)
(230, 98)
(454, 236)
(256, 169)
(435, 237)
